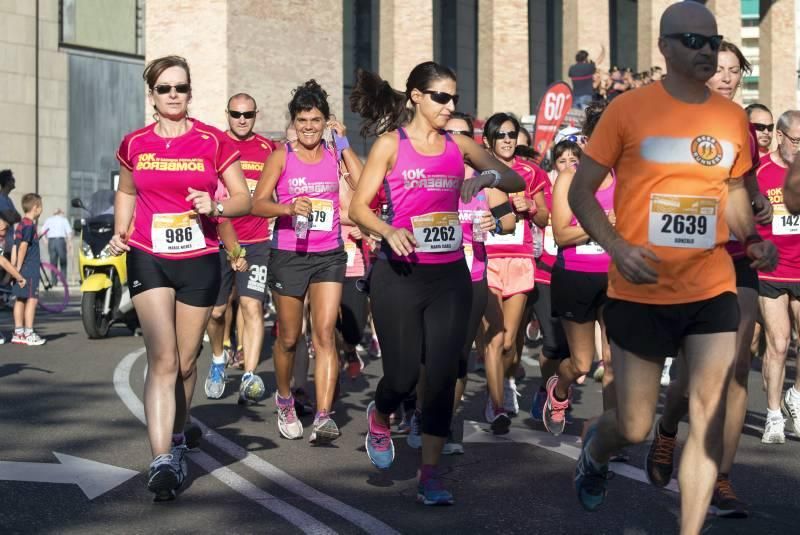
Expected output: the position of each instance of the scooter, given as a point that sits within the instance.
(105, 297)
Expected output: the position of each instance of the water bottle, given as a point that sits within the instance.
(300, 226)
(384, 212)
(538, 242)
(478, 234)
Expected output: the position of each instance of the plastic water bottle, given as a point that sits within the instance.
(478, 234)
(300, 226)
(384, 212)
(538, 242)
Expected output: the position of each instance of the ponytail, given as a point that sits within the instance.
(382, 108)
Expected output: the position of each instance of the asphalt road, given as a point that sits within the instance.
(81, 398)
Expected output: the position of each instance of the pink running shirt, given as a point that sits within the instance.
(785, 228)
(255, 150)
(474, 252)
(549, 247)
(164, 223)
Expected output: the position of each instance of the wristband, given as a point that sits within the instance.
(341, 143)
(496, 176)
(502, 210)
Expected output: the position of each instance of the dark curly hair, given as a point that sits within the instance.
(593, 112)
(308, 96)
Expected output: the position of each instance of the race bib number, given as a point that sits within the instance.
(321, 215)
(177, 233)
(784, 223)
(350, 249)
(683, 221)
(469, 255)
(508, 239)
(590, 247)
(437, 232)
(251, 185)
(550, 241)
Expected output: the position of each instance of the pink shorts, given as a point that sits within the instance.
(510, 276)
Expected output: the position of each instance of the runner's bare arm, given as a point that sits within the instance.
(238, 203)
(124, 204)
(762, 208)
(354, 167)
(791, 188)
(739, 216)
(564, 232)
(478, 158)
(542, 214)
(264, 204)
(495, 197)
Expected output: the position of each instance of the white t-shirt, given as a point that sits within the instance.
(56, 226)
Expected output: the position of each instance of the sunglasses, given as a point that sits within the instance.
(459, 132)
(696, 41)
(245, 114)
(440, 97)
(163, 89)
(793, 140)
(511, 134)
(761, 127)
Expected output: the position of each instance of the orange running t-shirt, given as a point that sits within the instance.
(673, 161)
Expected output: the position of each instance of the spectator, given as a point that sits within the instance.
(582, 74)
(57, 234)
(28, 260)
(7, 184)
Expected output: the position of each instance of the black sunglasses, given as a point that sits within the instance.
(511, 134)
(793, 140)
(163, 89)
(440, 97)
(245, 114)
(760, 127)
(696, 41)
(459, 132)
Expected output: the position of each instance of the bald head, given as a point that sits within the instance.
(688, 16)
(241, 97)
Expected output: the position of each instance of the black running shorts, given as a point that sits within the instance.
(195, 280)
(291, 273)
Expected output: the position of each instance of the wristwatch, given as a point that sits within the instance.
(220, 208)
(493, 173)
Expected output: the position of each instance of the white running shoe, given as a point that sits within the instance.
(34, 339)
(791, 409)
(511, 396)
(289, 424)
(773, 431)
(665, 378)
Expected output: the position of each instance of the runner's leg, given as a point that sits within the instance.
(778, 330)
(325, 300)
(290, 321)
(190, 321)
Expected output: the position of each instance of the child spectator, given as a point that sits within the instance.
(28, 261)
(6, 220)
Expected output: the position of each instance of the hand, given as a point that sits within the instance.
(401, 241)
(21, 282)
(201, 201)
(521, 203)
(300, 206)
(487, 222)
(336, 126)
(356, 233)
(612, 217)
(239, 264)
(119, 244)
(762, 209)
(764, 255)
(471, 186)
(632, 262)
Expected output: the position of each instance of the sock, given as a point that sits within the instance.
(321, 414)
(794, 394)
(28, 332)
(664, 432)
(283, 402)
(774, 415)
(178, 439)
(426, 472)
(218, 359)
(19, 330)
(246, 376)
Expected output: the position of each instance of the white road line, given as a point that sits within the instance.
(295, 516)
(566, 445)
(359, 518)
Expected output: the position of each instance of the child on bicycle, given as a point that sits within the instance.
(5, 265)
(27, 261)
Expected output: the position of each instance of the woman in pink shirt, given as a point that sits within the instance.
(165, 218)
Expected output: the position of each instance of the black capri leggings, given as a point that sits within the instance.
(555, 345)
(420, 309)
(353, 318)
(480, 297)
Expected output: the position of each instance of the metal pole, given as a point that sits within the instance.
(36, 105)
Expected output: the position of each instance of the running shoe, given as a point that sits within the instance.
(510, 396)
(496, 417)
(378, 442)
(532, 333)
(34, 339)
(599, 371)
(580, 380)
(724, 502)
(432, 492)
(193, 435)
(660, 461)
(162, 478)
(453, 445)
(237, 359)
(790, 407)
(404, 426)
(215, 382)
(206, 338)
(302, 403)
(18, 338)
(539, 400)
(178, 462)
(2, 339)
(251, 389)
(354, 365)
(288, 423)
(591, 482)
(554, 412)
(665, 377)
(324, 430)
(374, 348)
(774, 431)
(414, 438)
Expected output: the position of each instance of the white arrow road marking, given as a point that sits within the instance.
(295, 516)
(359, 518)
(92, 477)
(566, 445)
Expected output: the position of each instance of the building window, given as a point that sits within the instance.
(360, 38)
(97, 25)
(455, 45)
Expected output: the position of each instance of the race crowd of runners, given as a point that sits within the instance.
(659, 231)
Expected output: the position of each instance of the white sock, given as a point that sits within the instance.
(794, 394)
(774, 415)
(218, 359)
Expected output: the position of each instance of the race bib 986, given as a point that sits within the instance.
(177, 233)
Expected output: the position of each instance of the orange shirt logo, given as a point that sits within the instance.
(706, 150)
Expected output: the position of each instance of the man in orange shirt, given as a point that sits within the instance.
(679, 152)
